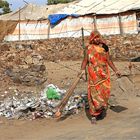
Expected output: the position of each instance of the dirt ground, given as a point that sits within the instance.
(121, 123)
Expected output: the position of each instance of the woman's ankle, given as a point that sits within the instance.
(93, 120)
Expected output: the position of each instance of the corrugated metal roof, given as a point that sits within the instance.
(101, 7)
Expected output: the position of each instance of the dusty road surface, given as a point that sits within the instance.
(121, 123)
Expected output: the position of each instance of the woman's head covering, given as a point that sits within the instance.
(93, 35)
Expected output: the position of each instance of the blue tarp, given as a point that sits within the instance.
(54, 19)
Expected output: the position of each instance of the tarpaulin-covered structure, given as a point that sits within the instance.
(108, 16)
(30, 22)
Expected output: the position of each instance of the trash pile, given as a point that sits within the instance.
(29, 106)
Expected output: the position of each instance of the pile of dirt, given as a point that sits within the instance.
(20, 65)
(121, 47)
(124, 47)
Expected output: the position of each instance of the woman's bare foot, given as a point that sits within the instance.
(93, 120)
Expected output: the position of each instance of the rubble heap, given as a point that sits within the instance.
(121, 47)
(126, 47)
(22, 65)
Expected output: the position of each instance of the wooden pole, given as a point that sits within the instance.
(84, 48)
(48, 29)
(120, 24)
(95, 22)
(19, 27)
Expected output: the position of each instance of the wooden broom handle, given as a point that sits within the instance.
(67, 96)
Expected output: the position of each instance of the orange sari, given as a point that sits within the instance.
(99, 80)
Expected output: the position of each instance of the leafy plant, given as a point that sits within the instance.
(50, 2)
(4, 6)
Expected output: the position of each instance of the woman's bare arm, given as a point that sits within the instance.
(112, 66)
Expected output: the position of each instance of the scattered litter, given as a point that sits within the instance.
(29, 106)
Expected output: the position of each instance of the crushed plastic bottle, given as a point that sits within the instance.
(51, 93)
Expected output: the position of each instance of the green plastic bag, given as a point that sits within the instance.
(51, 93)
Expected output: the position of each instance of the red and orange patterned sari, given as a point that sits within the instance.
(99, 79)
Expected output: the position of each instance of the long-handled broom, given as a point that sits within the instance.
(68, 94)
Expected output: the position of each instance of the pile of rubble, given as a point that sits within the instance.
(21, 65)
(126, 47)
(121, 47)
(59, 49)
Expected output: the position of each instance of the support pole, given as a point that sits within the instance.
(120, 24)
(19, 27)
(95, 22)
(48, 29)
(84, 48)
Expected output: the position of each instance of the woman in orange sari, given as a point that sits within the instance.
(97, 58)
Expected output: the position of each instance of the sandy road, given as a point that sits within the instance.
(124, 125)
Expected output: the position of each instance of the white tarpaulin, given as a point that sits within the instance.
(100, 7)
(107, 20)
(71, 27)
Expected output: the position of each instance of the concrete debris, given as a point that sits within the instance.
(22, 66)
